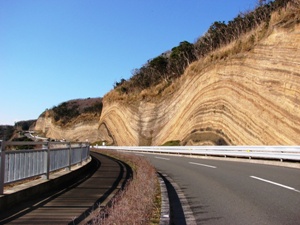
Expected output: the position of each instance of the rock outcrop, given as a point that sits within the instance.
(252, 98)
(82, 131)
(60, 122)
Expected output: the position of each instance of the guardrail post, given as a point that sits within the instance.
(70, 156)
(88, 152)
(2, 167)
(81, 153)
(48, 161)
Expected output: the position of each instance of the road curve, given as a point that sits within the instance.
(227, 192)
(73, 204)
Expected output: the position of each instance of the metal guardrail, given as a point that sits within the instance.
(17, 165)
(282, 153)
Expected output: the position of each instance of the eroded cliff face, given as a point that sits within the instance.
(74, 120)
(252, 98)
(86, 130)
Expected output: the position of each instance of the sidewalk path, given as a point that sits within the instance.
(73, 204)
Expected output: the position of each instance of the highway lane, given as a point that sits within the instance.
(227, 192)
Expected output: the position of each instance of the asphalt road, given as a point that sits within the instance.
(226, 192)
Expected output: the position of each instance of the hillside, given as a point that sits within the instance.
(12, 133)
(243, 92)
(6, 132)
(74, 120)
(247, 98)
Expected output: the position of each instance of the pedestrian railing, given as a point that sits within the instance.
(40, 160)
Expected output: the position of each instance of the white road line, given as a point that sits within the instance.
(199, 164)
(162, 158)
(271, 182)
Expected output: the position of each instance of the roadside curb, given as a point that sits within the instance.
(188, 214)
(165, 206)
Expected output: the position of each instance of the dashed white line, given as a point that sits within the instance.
(162, 158)
(272, 182)
(199, 164)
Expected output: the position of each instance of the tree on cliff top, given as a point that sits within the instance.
(171, 65)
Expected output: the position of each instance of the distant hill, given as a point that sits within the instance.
(6, 132)
(74, 120)
(66, 112)
(10, 132)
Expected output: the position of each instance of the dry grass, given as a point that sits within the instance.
(287, 16)
(139, 201)
(150, 94)
(284, 18)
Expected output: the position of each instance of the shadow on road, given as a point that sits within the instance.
(176, 210)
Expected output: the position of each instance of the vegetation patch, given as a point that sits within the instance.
(139, 202)
(10, 133)
(145, 82)
(76, 110)
(172, 143)
(6, 132)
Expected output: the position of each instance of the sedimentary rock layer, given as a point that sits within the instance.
(82, 131)
(252, 98)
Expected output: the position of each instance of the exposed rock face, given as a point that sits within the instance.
(75, 120)
(83, 131)
(250, 99)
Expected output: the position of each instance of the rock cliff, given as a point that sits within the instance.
(81, 131)
(60, 122)
(251, 98)
(248, 97)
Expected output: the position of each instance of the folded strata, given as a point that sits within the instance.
(252, 98)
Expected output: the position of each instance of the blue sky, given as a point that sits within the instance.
(52, 51)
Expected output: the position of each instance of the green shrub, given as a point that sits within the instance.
(172, 143)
